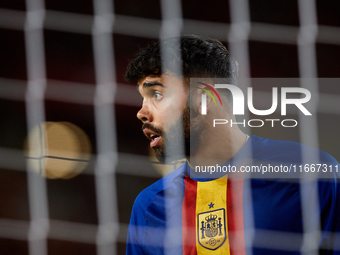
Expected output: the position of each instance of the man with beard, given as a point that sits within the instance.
(188, 212)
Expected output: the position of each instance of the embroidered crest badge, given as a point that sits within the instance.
(211, 229)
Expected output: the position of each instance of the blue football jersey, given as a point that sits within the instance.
(265, 211)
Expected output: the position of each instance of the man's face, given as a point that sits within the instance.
(165, 113)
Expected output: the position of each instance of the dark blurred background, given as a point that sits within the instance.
(69, 58)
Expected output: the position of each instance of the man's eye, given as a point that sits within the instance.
(157, 95)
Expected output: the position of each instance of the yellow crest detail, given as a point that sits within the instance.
(211, 229)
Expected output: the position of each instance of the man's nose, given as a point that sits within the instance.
(144, 114)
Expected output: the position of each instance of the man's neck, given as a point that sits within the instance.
(218, 145)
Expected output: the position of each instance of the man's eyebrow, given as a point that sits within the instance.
(150, 84)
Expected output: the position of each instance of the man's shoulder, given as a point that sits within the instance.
(280, 150)
(147, 196)
(148, 216)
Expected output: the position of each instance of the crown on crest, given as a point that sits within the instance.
(210, 217)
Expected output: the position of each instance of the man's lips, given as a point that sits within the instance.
(153, 137)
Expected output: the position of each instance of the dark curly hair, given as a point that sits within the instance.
(200, 57)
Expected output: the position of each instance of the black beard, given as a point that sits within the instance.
(170, 153)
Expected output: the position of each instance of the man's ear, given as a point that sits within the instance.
(198, 100)
(210, 101)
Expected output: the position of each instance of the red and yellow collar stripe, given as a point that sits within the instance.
(213, 217)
